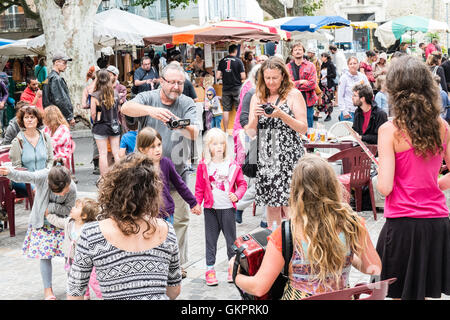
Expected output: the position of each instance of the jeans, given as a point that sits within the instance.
(310, 116)
(46, 272)
(352, 116)
(215, 122)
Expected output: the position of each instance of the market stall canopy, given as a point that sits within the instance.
(18, 49)
(4, 42)
(364, 25)
(393, 30)
(212, 34)
(117, 28)
(313, 23)
(285, 35)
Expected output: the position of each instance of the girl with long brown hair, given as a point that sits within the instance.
(414, 242)
(328, 238)
(278, 118)
(105, 115)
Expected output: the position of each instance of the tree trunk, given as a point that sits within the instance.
(276, 9)
(70, 30)
(168, 12)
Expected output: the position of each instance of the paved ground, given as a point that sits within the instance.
(20, 277)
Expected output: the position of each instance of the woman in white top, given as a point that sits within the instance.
(348, 80)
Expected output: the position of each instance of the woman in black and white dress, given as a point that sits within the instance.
(279, 134)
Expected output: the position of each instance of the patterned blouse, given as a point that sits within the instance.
(122, 274)
(61, 141)
(301, 283)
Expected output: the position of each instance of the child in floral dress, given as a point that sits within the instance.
(55, 193)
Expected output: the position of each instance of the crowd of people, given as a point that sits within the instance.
(140, 220)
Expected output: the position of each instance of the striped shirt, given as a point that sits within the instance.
(122, 274)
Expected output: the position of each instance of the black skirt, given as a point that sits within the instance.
(417, 253)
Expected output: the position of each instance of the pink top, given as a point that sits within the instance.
(203, 189)
(416, 193)
(237, 123)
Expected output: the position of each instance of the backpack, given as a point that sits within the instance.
(250, 250)
(134, 89)
(46, 101)
(250, 167)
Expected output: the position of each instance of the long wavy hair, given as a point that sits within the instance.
(131, 191)
(286, 84)
(103, 84)
(415, 101)
(53, 118)
(319, 213)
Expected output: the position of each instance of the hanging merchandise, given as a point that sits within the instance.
(127, 67)
(17, 71)
(208, 56)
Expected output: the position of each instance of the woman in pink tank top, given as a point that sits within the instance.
(414, 244)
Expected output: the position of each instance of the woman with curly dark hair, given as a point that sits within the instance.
(130, 238)
(414, 242)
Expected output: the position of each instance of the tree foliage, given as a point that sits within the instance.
(29, 13)
(300, 8)
(173, 4)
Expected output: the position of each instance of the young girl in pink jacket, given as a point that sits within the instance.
(220, 184)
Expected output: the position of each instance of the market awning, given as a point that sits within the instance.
(285, 35)
(4, 42)
(212, 34)
(117, 28)
(313, 23)
(364, 25)
(393, 30)
(18, 49)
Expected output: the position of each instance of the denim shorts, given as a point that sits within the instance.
(99, 137)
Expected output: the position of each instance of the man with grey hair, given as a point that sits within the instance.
(154, 109)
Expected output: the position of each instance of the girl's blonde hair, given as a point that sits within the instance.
(89, 209)
(214, 134)
(319, 213)
(146, 137)
(380, 82)
(53, 118)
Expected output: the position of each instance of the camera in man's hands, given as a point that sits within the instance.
(175, 124)
(268, 108)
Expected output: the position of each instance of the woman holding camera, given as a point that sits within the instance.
(105, 114)
(278, 117)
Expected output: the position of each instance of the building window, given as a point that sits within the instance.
(360, 1)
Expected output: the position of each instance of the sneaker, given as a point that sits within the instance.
(263, 224)
(230, 275)
(328, 118)
(211, 279)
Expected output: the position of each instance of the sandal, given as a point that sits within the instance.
(50, 298)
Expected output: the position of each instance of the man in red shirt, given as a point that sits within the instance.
(368, 116)
(32, 94)
(431, 47)
(304, 75)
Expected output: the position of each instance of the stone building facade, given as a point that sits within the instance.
(384, 10)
